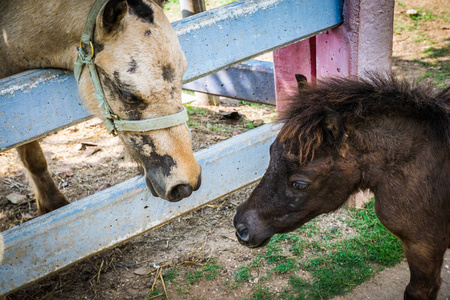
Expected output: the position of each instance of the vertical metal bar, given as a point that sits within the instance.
(189, 8)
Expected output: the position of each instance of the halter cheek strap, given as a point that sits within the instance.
(112, 123)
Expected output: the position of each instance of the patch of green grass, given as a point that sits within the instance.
(433, 52)
(422, 38)
(224, 2)
(170, 275)
(405, 27)
(254, 104)
(438, 76)
(249, 124)
(191, 123)
(222, 128)
(209, 271)
(188, 92)
(155, 293)
(195, 109)
(335, 265)
(243, 274)
(436, 72)
(262, 294)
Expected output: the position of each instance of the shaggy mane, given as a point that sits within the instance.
(355, 99)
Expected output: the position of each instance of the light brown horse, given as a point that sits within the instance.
(140, 65)
(382, 134)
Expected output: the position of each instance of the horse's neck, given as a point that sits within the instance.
(40, 33)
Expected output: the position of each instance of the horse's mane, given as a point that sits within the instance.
(355, 99)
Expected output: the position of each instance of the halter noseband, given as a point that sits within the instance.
(113, 123)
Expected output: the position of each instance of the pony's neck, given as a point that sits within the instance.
(40, 34)
(388, 146)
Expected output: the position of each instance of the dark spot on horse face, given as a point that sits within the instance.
(157, 166)
(98, 47)
(157, 163)
(147, 33)
(131, 105)
(172, 92)
(168, 73)
(133, 66)
(108, 83)
(142, 10)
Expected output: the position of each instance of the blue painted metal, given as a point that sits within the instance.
(211, 40)
(252, 80)
(244, 29)
(60, 238)
(35, 103)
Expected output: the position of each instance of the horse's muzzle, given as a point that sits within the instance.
(173, 194)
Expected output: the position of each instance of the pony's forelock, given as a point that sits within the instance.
(354, 99)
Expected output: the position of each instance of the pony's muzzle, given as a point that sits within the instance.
(250, 230)
(242, 232)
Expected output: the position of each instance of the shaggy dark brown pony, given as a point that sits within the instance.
(343, 135)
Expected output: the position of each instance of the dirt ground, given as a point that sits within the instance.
(83, 157)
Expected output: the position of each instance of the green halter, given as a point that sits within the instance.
(113, 123)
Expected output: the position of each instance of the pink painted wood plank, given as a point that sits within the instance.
(362, 43)
(288, 61)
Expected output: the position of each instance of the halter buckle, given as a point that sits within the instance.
(90, 44)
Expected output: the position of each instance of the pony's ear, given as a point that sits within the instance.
(112, 15)
(301, 80)
(332, 126)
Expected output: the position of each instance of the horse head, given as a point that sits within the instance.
(140, 65)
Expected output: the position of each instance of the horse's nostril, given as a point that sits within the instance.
(242, 232)
(199, 182)
(179, 192)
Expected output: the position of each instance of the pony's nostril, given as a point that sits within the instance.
(242, 232)
(179, 192)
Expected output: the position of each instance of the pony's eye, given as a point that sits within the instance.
(300, 185)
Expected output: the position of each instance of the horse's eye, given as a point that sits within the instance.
(132, 99)
(300, 185)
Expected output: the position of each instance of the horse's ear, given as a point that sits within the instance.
(301, 80)
(112, 15)
(332, 126)
(161, 3)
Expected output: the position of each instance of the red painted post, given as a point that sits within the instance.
(297, 58)
(362, 43)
